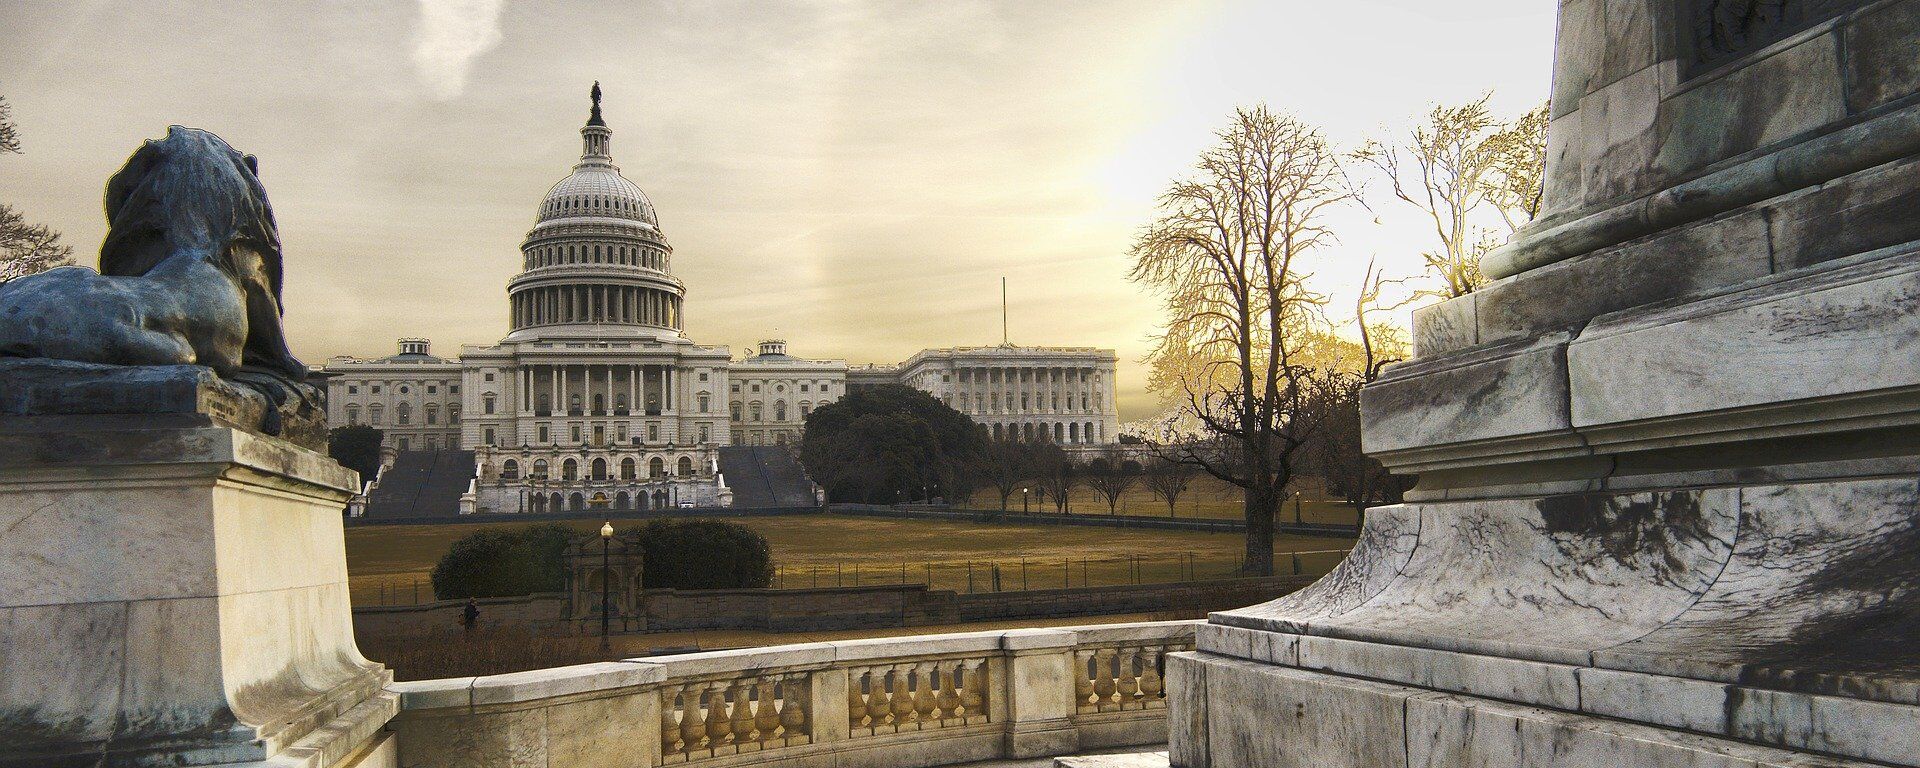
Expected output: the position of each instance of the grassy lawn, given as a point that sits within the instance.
(391, 563)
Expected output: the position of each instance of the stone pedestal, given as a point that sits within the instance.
(1669, 498)
(173, 590)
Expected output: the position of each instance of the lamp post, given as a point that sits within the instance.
(1023, 500)
(606, 585)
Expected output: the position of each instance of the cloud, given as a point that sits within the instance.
(451, 34)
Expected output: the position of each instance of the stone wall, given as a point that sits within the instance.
(830, 608)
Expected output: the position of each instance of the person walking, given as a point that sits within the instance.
(470, 617)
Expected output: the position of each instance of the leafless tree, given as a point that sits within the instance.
(1008, 466)
(1111, 474)
(1168, 479)
(25, 248)
(1056, 476)
(1458, 161)
(1228, 253)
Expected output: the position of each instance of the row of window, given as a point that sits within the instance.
(402, 414)
(1054, 432)
(756, 412)
(592, 203)
(991, 403)
(754, 386)
(432, 389)
(630, 255)
(598, 469)
(578, 432)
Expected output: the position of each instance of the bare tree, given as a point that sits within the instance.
(25, 248)
(1461, 159)
(1228, 253)
(1056, 476)
(1008, 465)
(1168, 479)
(1111, 474)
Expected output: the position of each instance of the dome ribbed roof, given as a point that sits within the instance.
(597, 191)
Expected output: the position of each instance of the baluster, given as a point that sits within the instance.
(693, 726)
(949, 699)
(1151, 686)
(793, 709)
(973, 694)
(856, 698)
(1103, 687)
(766, 717)
(877, 707)
(1129, 683)
(1083, 681)
(669, 727)
(740, 723)
(717, 728)
(923, 701)
(901, 700)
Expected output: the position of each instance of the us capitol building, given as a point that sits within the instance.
(596, 399)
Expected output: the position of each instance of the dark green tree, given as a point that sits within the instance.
(491, 563)
(889, 443)
(356, 448)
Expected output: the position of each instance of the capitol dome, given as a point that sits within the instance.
(597, 190)
(596, 262)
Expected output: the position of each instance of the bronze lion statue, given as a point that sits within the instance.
(189, 275)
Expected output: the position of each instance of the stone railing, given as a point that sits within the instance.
(907, 702)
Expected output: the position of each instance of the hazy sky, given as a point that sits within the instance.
(852, 176)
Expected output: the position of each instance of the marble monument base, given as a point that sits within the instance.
(173, 591)
(1755, 625)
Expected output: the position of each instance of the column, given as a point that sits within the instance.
(553, 388)
(633, 390)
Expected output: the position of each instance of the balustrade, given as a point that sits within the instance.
(728, 716)
(890, 698)
(1120, 678)
(912, 702)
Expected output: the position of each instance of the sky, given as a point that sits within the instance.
(854, 177)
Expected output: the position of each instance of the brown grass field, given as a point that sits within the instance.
(391, 564)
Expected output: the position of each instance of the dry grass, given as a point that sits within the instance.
(830, 549)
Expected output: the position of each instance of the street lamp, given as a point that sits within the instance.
(1023, 500)
(606, 585)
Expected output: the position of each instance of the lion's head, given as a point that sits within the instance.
(193, 193)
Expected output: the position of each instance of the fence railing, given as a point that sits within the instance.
(1019, 574)
(911, 702)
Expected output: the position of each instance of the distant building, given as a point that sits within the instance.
(412, 396)
(1029, 394)
(770, 394)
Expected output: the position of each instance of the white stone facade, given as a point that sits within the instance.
(1030, 394)
(412, 397)
(770, 394)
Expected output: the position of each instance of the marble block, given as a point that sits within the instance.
(68, 395)
(175, 595)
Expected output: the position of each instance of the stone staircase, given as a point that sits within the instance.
(763, 476)
(422, 484)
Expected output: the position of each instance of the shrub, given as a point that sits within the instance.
(680, 554)
(704, 554)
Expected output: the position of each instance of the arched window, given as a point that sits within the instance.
(656, 468)
(486, 402)
(510, 470)
(622, 500)
(577, 501)
(353, 415)
(554, 503)
(779, 410)
(599, 469)
(754, 412)
(733, 410)
(628, 469)
(539, 469)
(1073, 433)
(433, 414)
(569, 470)
(453, 414)
(686, 466)
(403, 414)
